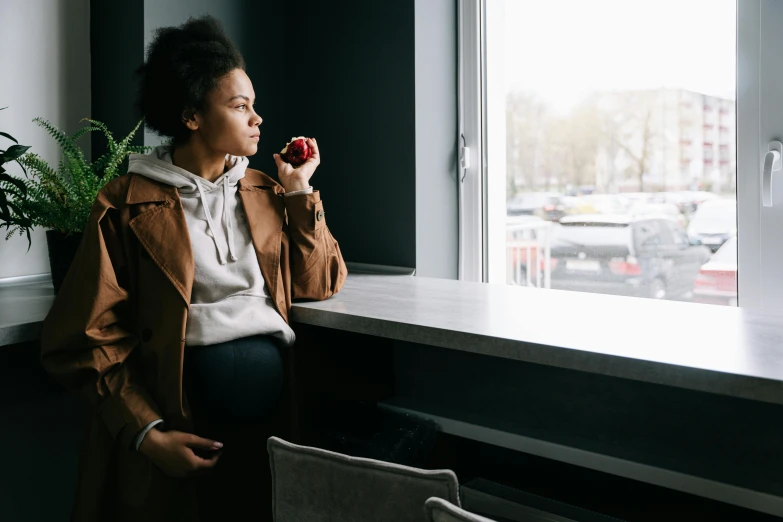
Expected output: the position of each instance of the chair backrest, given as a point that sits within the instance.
(316, 485)
(439, 510)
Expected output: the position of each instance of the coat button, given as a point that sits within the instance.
(319, 215)
(146, 335)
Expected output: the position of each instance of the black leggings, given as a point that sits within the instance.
(233, 384)
(234, 389)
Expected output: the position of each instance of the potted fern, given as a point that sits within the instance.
(60, 199)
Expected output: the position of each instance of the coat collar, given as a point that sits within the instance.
(163, 231)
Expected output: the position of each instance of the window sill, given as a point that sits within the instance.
(710, 348)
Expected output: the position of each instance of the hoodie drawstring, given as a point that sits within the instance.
(229, 222)
(210, 223)
(158, 166)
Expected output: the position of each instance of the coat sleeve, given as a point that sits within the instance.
(318, 270)
(86, 341)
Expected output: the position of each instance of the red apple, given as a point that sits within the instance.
(296, 151)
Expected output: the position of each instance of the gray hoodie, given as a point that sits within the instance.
(229, 299)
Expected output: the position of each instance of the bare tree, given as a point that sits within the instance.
(549, 150)
(630, 126)
(526, 117)
(546, 150)
(580, 134)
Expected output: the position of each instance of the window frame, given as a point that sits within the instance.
(471, 180)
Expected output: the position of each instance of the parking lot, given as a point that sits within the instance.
(666, 245)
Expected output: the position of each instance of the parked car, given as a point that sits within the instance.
(627, 255)
(663, 209)
(717, 279)
(546, 205)
(638, 197)
(691, 199)
(603, 204)
(714, 222)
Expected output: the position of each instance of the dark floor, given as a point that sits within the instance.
(40, 433)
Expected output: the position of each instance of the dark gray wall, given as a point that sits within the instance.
(377, 87)
(350, 83)
(116, 49)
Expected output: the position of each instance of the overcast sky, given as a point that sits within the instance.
(565, 48)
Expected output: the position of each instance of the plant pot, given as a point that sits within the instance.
(62, 249)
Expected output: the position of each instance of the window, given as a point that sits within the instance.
(559, 102)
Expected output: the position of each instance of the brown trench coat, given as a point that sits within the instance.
(115, 334)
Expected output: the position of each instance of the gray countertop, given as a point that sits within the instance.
(716, 349)
(710, 348)
(23, 307)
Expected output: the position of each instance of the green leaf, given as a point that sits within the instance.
(14, 181)
(19, 212)
(5, 214)
(81, 132)
(9, 137)
(14, 151)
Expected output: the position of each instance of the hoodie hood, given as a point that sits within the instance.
(157, 165)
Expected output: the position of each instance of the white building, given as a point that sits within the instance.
(667, 139)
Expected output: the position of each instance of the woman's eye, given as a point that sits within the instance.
(241, 106)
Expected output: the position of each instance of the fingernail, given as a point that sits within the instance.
(217, 445)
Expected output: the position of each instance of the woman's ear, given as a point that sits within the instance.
(190, 119)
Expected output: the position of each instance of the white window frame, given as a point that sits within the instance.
(482, 203)
(748, 144)
(470, 141)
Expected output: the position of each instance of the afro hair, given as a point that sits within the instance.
(183, 65)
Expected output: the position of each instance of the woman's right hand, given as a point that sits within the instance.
(171, 452)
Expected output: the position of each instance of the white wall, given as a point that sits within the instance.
(46, 73)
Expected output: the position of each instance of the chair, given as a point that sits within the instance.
(316, 485)
(439, 510)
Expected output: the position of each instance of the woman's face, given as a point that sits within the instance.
(229, 125)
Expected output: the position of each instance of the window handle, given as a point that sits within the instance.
(772, 163)
(464, 158)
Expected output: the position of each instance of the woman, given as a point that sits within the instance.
(173, 319)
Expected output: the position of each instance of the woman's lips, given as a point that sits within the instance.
(255, 137)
